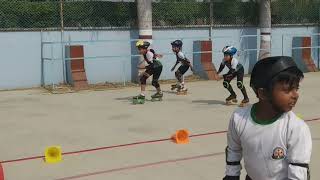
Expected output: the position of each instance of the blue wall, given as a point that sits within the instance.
(20, 60)
(20, 64)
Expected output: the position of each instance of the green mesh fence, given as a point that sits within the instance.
(83, 14)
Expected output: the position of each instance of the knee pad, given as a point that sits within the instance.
(226, 84)
(155, 83)
(240, 84)
(143, 79)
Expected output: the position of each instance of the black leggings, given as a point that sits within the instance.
(183, 69)
(239, 74)
(156, 72)
(227, 79)
(180, 72)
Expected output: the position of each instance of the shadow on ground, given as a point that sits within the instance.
(209, 102)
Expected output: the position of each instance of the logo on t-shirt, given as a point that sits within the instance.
(278, 153)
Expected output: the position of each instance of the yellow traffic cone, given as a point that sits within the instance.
(53, 154)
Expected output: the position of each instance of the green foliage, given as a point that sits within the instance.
(28, 14)
(87, 13)
(295, 12)
(180, 13)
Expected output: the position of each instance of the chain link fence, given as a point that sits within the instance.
(295, 12)
(95, 14)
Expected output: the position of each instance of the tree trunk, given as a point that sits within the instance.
(265, 28)
(144, 10)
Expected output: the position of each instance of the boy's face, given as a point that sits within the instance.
(175, 49)
(227, 57)
(285, 97)
(142, 51)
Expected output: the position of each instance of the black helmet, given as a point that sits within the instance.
(142, 44)
(177, 43)
(265, 69)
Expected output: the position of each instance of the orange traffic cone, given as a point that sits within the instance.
(181, 137)
(1, 172)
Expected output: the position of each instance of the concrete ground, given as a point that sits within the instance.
(34, 119)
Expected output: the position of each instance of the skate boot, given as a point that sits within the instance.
(174, 86)
(140, 99)
(232, 99)
(244, 102)
(182, 90)
(157, 96)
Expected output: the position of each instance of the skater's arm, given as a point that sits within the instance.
(177, 62)
(221, 67)
(233, 152)
(156, 56)
(299, 152)
(187, 61)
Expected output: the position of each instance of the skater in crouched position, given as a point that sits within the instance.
(184, 66)
(274, 143)
(235, 70)
(153, 67)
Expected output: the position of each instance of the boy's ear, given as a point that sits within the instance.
(262, 94)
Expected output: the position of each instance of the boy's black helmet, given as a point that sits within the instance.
(177, 43)
(265, 69)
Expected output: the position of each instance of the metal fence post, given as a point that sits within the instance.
(62, 40)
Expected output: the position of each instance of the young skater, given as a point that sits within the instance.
(235, 70)
(183, 68)
(274, 143)
(153, 67)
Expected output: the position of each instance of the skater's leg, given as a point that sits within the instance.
(182, 70)
(240, 83)
(155, 79)
(143, 81)
(178, 76)
(243, 89)
(227, 85)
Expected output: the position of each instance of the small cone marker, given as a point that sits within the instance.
(181, 137)
(53, 154)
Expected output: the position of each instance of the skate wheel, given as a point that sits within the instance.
(138, 101)
(181, 93)
(243, 104)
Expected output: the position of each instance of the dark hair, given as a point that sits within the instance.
(291, 76)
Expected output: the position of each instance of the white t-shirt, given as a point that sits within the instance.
(149, 57)
(181, 55)
(276, 151)
(233, 65)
